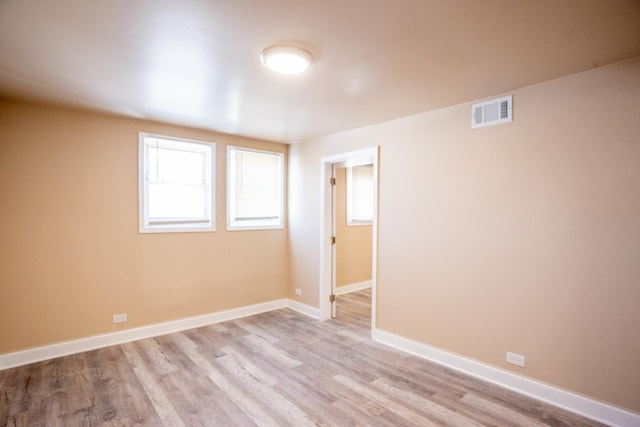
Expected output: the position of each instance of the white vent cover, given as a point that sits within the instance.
(491, 112)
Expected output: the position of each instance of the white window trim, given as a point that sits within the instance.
(180, 227)
(232, 227)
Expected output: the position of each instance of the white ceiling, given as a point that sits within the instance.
(196, 62)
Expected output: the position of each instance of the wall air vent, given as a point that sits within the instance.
(492, 112)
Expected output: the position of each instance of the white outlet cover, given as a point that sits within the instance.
(119, 318)
(515, 359)
(298, 291)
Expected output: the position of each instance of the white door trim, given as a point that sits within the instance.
(352, 158)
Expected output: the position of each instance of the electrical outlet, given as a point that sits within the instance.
(515, 359)
(298, 291)
(119, 318)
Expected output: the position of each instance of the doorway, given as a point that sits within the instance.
(352, 223)
(328, 261)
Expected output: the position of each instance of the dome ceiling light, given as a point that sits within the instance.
(286, 59)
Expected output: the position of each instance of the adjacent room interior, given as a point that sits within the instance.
(503, 251)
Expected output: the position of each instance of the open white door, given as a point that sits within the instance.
(332, 297)
(328, 228)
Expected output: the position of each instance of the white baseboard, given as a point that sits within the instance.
(354, 287)
(38, 354)
(573, 402)
(305, 309)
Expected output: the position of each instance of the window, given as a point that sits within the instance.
(255, 189)
(175, 184)
(360, 195)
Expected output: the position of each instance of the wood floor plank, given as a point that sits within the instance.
(250, 367)
(237, 394)
(128, 395)
(156, 354)
(224, 398)
(162, 405)
(441, 414)
(352, 413)
(271, 351)
(502, 412)
(256, 329)
(389, 405)
(277, 368)
(279, 404)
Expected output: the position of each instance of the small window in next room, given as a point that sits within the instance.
(176, 184)
(360, 195)
(255, 181)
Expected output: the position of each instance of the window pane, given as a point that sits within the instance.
(176, 202)
(255, 188)
(180, 167)
(360, 194)
(257, 185)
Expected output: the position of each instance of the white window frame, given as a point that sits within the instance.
(351, 221)
(233, 225)
(174, 225)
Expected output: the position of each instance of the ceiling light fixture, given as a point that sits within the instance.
(286, 59)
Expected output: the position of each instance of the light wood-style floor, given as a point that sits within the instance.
(274, 369)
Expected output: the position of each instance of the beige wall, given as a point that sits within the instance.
(353, 243)
(70, 251)
(521, 237)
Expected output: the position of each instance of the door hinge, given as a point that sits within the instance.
(333, 240)
(332, 181)
(332, 298)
